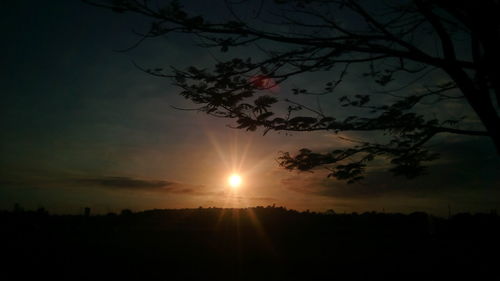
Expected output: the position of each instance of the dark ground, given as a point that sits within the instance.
(249, 244)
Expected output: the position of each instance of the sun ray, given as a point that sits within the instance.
(245, 152)
(222, 156)
(261, 231)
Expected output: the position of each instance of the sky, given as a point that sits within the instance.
(81, 126)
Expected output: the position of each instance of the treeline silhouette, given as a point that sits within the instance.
(259, 243)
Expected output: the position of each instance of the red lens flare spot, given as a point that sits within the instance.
(263, 82)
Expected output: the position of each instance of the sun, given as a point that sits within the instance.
(234, 180)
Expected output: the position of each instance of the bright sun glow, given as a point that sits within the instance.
(234, 180)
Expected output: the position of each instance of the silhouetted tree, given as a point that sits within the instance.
(393, 40)
(126, 212)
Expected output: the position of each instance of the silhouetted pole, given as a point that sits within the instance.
(87, 212)
(18, 208)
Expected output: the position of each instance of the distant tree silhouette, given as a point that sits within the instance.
(126, 212)
(405, 40)
(42, 211)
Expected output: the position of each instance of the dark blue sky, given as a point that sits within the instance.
(81, 126)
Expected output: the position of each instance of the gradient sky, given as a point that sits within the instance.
(81, 126)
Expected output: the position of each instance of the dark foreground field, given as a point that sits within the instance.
(249, 244)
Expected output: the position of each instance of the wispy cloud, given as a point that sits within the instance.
(137, 184)
(109, 182)
(125, 182)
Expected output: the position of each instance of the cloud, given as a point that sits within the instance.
(109, 182)
(142, 185)
(319, 185)
(265, 199)
(125, 182)
(251, 198)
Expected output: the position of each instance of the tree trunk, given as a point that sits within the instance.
(480, 101)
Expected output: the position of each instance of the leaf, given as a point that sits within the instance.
(264, 116)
